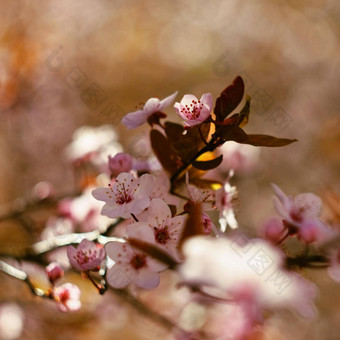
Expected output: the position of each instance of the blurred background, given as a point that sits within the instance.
(67, 64)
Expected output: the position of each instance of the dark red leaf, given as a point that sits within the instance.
(186, 145)
(270, 141)
(164, 152)
(208, 165)
(231, 133)
(229, 99)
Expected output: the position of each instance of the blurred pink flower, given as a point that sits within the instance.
(153, 105)
(84, 212)
(248, 272)
(132, 265)
(87, 256)
(67, 296)
(121, 162)
(54, 271)
(194, 111)
(274, 230)
(88, 141)
(301, 215)
(128, 195)
(242, 158)
(166, 229)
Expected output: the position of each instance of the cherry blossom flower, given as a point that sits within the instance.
(128, 195)
(121, 162)
(84, 212)
(67, 297)
(274, 230)
(250, 272)
(87, 256)
(242, 158)
(132, 265)
(88, 141)
(161, 189)
(225, 197)
(194, 111)
(166, 229)
(300, 215)
(153, 105)
(54, 271)
(204, 197)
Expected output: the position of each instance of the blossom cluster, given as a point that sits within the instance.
(135, 219)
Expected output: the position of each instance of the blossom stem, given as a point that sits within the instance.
(134, 217)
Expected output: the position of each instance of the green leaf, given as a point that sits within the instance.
(229, 99)
(270, 141)
(208, 165)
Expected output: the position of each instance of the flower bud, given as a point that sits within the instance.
(54, 271)
(121, 162)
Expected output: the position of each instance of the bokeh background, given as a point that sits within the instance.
(65, 64)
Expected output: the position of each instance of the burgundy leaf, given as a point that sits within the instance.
(270, 141)
(164, 152)
(229, 99)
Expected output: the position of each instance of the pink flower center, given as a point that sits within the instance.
(193, 110)
(138, 261)
(162, 235)
(122, 195)
(64, 296)
(297, 214)
(84, 257)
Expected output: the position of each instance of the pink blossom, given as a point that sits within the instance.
(84, 212)
(121, 162)
(301, 215)
(87, 256)
(166, 229)
(128, 195)
(242, 158)
(67, 296)
(161, 189)
(132, 265)
(153, 105)
(249, 272)
(194, 111)
(274, 230)
(88, 141)
(54, 271)
(204, 197)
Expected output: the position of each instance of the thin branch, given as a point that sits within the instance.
(146, 311)
(22, 276)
